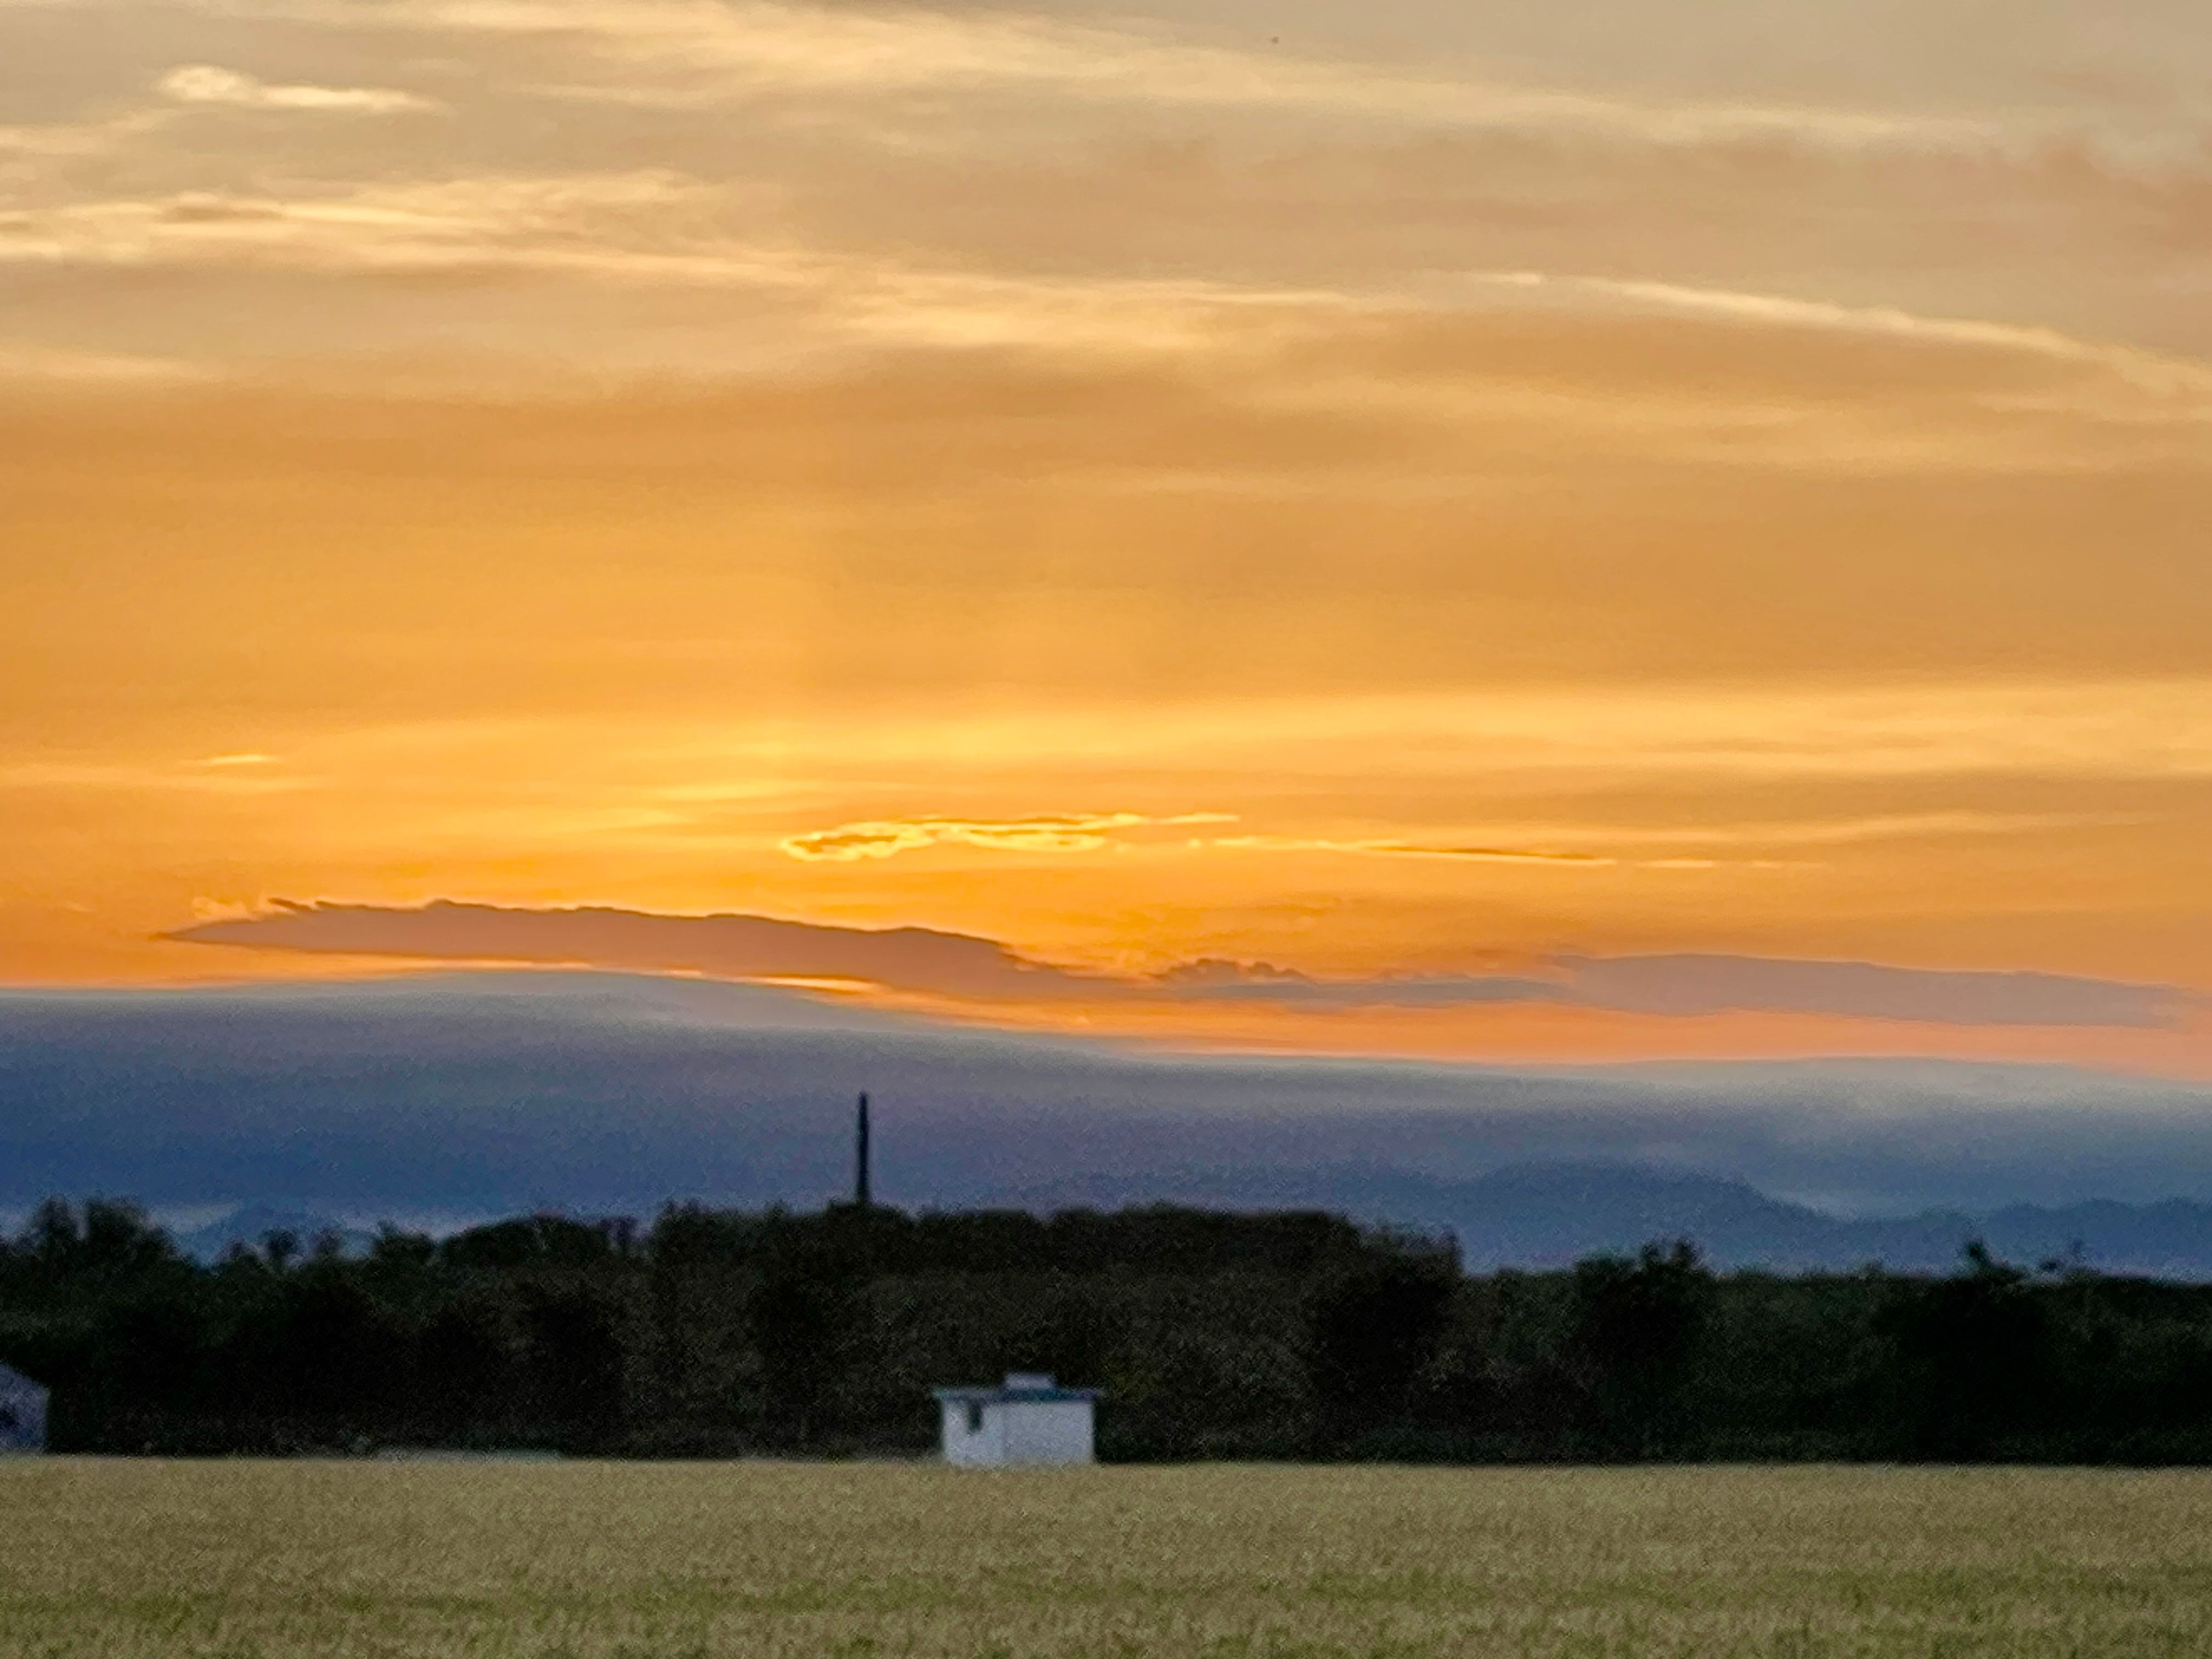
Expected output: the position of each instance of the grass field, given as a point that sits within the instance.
(118, 1559)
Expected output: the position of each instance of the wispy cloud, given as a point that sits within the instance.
(1451, 853)
(724, 49)
(1844, 831)
(2073, 728)
(1079, 832)
(1691, 985)
(616, 229)
(2152, 372)
(207, 84)
(35, 363)
(663, 229)
(205, 777)
(1511, 846)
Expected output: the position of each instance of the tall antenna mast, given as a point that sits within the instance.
(861, 1158)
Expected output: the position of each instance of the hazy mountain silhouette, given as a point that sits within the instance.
(1550, 1215)
(1547, 1215)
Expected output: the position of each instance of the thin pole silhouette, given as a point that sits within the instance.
(860, 1198)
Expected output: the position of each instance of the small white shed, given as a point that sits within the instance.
(23, 1413)
(1027, 1419)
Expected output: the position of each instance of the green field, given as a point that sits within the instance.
(120, 1559)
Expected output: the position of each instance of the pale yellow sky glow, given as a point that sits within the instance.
(1383, 491)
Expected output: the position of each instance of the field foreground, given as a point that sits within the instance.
(275, 1559)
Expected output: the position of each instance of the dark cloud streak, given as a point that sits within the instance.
(728, 945)
(961, 965)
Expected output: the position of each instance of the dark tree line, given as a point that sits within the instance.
(1286, 1335)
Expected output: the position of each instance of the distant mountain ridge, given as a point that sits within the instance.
(1541, 1216)
(1549, 1215)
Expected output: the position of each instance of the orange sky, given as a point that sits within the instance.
(1373, 492)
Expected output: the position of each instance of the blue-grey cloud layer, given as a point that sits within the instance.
(466, 1093)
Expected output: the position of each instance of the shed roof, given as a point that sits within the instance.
(1028, 1388)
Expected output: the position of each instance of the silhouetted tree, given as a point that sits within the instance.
(1635, 1329)
(1972, 1359)
(577, 1353)
(802, 1314)
(1372, 1322)
(281, 1247)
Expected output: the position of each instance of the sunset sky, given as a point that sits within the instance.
(1571, 532)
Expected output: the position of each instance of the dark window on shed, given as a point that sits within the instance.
(975, 1416)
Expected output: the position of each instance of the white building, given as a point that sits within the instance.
(23, 1413)
(1027, 1419)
